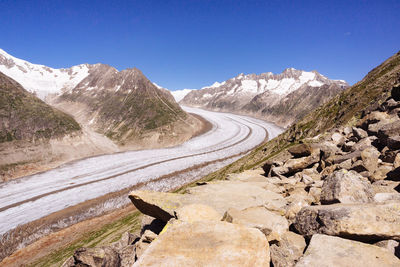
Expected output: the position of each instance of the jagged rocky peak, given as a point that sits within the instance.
(282, 98)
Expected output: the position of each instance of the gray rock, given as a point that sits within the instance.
(97, 257)
(338, 139)
(384, 197)
(370, 157)
(288, 250)
(301, 150)
(330, 251)
(359, 133)
(346, 187)
(364, 222)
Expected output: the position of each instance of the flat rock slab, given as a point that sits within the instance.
(221, 196)
(364, 222)
(207, 243)
(335, 251)
(259, 217)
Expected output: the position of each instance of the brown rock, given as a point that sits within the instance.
(220, 196)
(288, 250)
(260, 218)
(197, 212)
(391, 245)
(96, 257)
(301, 150)
(207, 243)
(381, 172)
(366, 221)
(370, 157)
(127, 256)
(326, 250)
(346, 187)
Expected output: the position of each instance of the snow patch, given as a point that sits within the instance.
(180, 94)
(41, 79)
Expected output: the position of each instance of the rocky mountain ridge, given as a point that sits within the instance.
(40, 79)
(128, 108)
(281, 98)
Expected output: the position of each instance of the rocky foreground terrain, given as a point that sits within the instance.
(332, 200)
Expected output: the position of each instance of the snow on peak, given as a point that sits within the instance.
(214, 85)
(180, 94)
(39, 78)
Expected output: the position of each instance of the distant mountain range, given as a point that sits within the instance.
(281, 98)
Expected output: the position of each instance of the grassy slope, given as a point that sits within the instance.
(26, 117)
(105, 235)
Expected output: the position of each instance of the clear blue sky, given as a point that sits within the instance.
(191, 44)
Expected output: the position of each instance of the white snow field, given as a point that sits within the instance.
(33, 197)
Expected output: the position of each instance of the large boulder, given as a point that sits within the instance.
(370, 221)
(298, 164)
(259, 217)
(329, 251)
(301, 150)
(344, 186)
(207, 243)
(220, 196)
(288, 250)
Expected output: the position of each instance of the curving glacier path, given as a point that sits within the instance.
(33, 197)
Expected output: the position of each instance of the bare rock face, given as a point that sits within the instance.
(335, 251)
(346, 187)
(367, 221)
(288, 250)
(207, 243)
(270, 223)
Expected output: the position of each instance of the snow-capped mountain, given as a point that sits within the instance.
(41, 79)
(259, 94)
(180, 94)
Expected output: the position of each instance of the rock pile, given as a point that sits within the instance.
(332, 201)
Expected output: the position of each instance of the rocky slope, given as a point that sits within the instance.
(280, 98)
(128, 108)
(327, 194)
